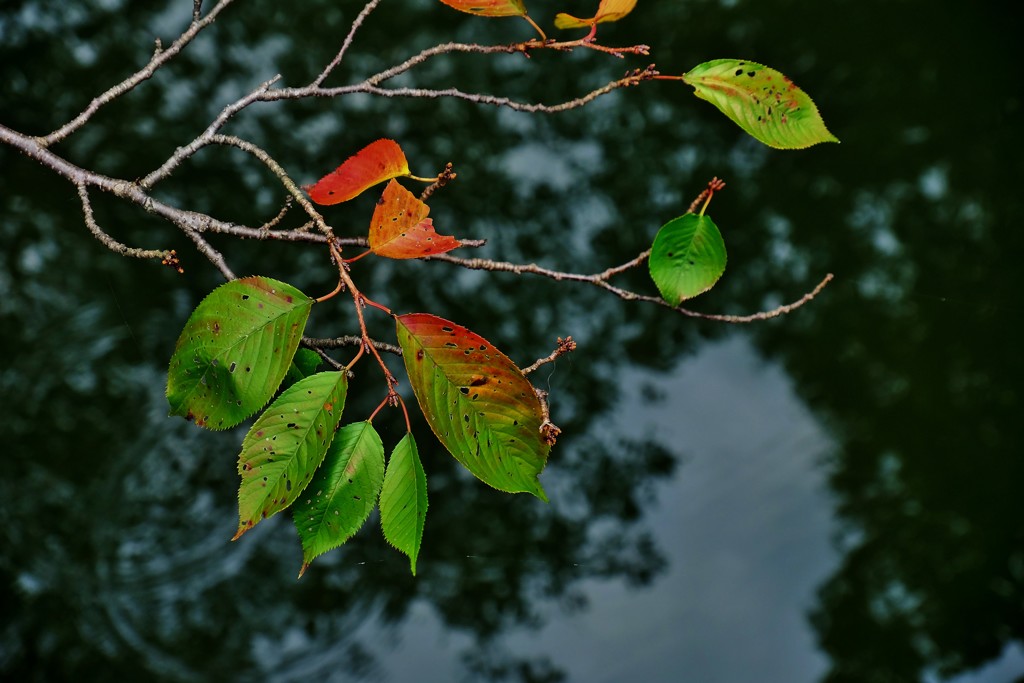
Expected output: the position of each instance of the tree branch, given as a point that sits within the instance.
(159, 58)
(370, 6)
(601, 280)
(167, 256)
(349, 340)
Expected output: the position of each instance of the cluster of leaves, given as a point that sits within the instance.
(241, 346)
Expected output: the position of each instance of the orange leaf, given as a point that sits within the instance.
(373, 164)
(400, 228)
(608, 10)
(489, 8)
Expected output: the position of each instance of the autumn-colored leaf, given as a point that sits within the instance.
(761, 101)
(234, 351)
(495, 8)
(489, 8)
(400, 228)
(286, 444)
(375, 163)
(608, 10)
(477, 402)
(403, 500)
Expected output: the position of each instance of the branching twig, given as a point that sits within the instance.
(548, 431)
(564, 346)
(276, 220)
(370, 6)
(167, 256)
(601, 280)
(159, 58)
(281, 174)
(350, 340)
(443, 178)
(183, 153)
(632, 79)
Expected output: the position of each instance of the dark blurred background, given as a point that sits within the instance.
(831, 496)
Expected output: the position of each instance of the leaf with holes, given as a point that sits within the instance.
(489, 8)
(403, 500)
(375, 163)
(235, 349)
(478, 403)
(761, 101)
(286, 445)
(400, 228)
(343, 491)
(608, 10)
(687, 258)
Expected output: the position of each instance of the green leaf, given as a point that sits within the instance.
(343, 491)
(477, 402)
(761, 101)
(286, 445)
(305, 363)
(234, 351)
(403, 500)
(687, 258)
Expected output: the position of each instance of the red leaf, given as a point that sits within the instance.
(489, 8)
(400, 228)
(375, 163)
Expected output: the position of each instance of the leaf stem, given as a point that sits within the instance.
(359, 256)
(532, 23)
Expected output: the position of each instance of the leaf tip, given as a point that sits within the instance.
(302, 570)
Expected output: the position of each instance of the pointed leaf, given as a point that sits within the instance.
(403, 500)
(286, 445)
(343, 492)
(489, 8)
(400, 228)
(761, 101)
(478, 403)
(687, 258)
(608, 10)
(234, 351)
(375, 163)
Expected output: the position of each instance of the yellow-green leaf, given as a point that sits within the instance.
(761, 101)
(489, 8)
(608, 10)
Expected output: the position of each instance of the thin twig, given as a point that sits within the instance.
(564, 346)
(600, 280)
(370, 6)
(205, 138)
(159, 58)
(167, 256)
(443, 178)
(350, 340)
(282, 175)
(276, 220)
